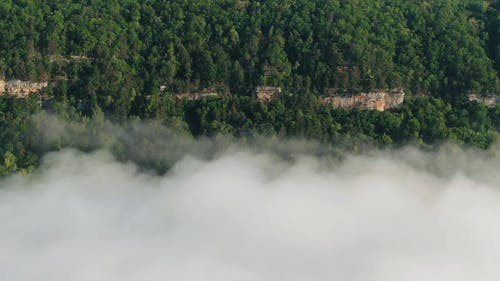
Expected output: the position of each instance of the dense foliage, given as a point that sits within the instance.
(124, 49)
(422, 122)
(112, 56)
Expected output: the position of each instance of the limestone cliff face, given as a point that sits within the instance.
(21, 88)
(379, 100)
(196, 95)
(489, 101)
(267, 93)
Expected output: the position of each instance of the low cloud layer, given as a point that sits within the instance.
(391, 215)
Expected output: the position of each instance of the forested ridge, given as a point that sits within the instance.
(110, 59)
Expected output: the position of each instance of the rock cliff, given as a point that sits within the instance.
(379, 100)
(489, 101)
(267, 93)
(21, 88)
(197, 95)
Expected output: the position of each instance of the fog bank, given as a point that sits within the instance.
(387, 215)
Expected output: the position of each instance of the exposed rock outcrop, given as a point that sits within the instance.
(208, 92)
(21, 88)
(68, 59)
(489, 101)
(267, 93)
(379, 99)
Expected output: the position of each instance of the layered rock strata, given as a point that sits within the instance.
(380, 100)
(21, 88)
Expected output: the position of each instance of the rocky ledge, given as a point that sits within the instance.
(21, 88)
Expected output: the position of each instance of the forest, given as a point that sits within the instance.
(123, 60)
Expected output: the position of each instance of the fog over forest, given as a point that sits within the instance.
(250, 140)
(249, 214)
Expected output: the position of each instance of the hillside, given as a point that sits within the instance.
(136, 59)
